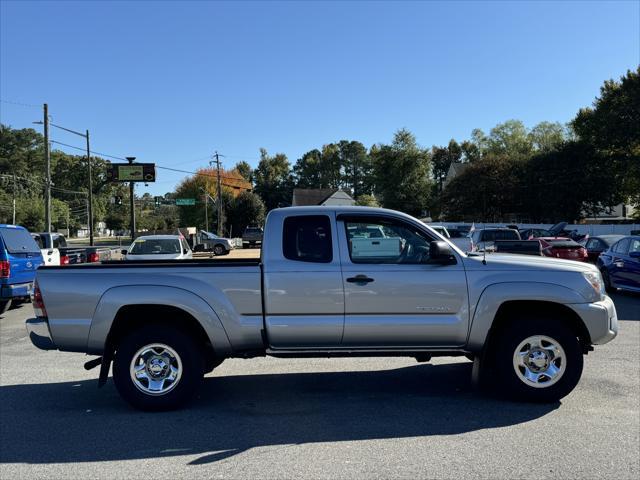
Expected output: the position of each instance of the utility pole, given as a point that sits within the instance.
(47, 161)
(132, 204)
(90, 193)
(14, 199)
(206, 213)
(219, 189)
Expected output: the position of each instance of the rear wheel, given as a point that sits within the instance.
(157, 367)
(537, 360)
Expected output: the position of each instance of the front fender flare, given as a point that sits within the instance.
(496, 294)
(116, 298)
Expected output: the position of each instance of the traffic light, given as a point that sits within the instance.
(118, 200)
(158, 201)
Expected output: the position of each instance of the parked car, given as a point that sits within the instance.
(210, 242)
(596, 245)
(483, 239)
(560, 247)
(251, 237)
(20, 257)
(317, 292)
(158, 247)
(620, 264)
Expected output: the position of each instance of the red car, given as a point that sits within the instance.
(562, 247)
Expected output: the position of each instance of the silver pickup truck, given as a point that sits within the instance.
(331, 281)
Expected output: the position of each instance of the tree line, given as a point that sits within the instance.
(548, 173)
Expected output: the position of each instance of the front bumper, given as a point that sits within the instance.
(600, 318)
(39, 334)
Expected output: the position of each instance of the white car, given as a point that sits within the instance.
(158, 247)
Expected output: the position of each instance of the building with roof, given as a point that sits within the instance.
(321, 196)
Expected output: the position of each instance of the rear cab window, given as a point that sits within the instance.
(18, 240)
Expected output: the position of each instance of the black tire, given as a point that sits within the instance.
(218, 249)
(502, 360)
(189, 354)
(4, 306)
(606, 280)
(245, 245)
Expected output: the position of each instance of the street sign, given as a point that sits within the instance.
(185, 201)
(131, 172)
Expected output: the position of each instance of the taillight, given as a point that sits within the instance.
(583, 252)
(93, 257)
(37, 302)
(64, 260)
(5, 269)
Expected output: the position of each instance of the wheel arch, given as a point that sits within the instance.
(123, 308)
(499, 303)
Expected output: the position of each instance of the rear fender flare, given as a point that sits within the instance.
(116, 298)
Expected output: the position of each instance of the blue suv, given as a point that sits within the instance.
(20, 257)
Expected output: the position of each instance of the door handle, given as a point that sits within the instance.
(360, 279)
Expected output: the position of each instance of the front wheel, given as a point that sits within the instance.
(607, 280)
(218, 249)
(538, 360)
(157, 367)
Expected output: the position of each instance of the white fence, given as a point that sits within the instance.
(592, 230)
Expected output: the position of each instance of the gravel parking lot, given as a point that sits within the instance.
(318, 418)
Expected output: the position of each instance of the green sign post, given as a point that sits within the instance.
(185, 201)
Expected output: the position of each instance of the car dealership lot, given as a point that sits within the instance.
(311, 418)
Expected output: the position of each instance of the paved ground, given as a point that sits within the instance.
(337, 418)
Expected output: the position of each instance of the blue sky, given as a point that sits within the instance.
(170, 82)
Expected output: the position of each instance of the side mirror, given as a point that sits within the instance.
(440, 253)
(123, 252)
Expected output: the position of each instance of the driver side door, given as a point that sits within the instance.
(393, 297)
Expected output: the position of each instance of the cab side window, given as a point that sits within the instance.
(307, 238)
(386, 241)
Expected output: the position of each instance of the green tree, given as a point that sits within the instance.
(367, 201)
(510, 139)
(548, 136)
(273, 180)
(612, 126)
(245, 170)
(402, 174)
(245, 210)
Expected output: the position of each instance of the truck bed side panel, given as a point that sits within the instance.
(73, 295)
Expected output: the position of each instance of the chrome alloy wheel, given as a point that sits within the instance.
(539, 361)
(156, 369)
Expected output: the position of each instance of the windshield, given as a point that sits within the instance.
(159, 246)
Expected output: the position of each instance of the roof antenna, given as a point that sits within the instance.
(484, 256)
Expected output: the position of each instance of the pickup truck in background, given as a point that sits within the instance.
(19, 259)
(55, 251)
(331, 281)
(251, 237)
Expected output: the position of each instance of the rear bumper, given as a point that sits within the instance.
(39, 334)
(600, 318)
(16, 290)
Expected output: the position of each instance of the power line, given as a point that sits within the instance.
(10, 102)
(91, 151)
